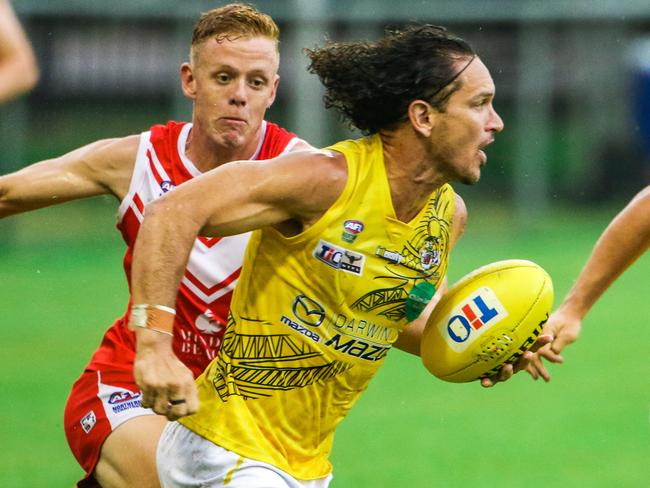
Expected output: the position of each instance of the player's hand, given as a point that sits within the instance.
(507, 370)
(167, 385)
(565, 327)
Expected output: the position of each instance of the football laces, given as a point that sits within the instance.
(495, 347)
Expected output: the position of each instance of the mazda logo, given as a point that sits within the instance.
(308, 311)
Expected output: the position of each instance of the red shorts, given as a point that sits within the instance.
(98, 403)
(104, 397)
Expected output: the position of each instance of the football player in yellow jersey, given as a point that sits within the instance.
(350, 245)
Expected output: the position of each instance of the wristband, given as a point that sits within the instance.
(154, 317)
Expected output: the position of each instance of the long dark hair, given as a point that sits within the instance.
(372, 83)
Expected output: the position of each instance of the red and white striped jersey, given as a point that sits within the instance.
(214, 265)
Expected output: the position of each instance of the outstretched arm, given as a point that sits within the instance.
(625, 239)
(103, 167)
(18, 68)
(232, 199)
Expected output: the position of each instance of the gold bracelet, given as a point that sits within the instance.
(154, 317)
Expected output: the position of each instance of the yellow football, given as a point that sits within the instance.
(489, 317)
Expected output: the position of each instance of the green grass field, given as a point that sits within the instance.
(61, 285)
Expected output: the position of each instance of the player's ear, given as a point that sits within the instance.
(421, 116)
(188, 82)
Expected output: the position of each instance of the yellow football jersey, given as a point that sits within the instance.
(314, 315)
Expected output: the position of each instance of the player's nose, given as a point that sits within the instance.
(238, 95)
(495, 123)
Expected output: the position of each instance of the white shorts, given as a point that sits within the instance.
(187, 460)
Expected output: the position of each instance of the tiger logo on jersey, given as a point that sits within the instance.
(413, 268)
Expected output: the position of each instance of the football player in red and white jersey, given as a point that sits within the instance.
(231, 79)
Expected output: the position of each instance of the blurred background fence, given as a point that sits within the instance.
(572, 77)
